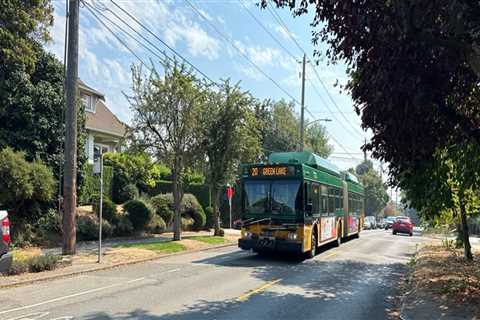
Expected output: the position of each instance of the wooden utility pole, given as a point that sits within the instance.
(302, 112)
(70, 172)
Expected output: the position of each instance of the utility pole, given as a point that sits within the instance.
(302, 112)
(70, 172)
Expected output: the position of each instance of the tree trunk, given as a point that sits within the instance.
(216, 222)
(177, 219)
(467, 249)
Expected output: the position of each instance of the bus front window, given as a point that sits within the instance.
(285, 196)
(256, 196)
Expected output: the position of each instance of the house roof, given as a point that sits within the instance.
(83, 87)
(104, 121)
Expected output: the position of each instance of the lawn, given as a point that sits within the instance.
(208, 239)
(163, 246)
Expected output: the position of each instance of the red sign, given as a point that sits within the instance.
(229, 192)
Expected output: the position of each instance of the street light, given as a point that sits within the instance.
(304, 125)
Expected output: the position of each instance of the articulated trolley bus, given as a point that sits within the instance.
(297, 202)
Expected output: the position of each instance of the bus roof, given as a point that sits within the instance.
(307, 158)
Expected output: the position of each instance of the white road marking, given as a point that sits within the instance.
(70, 296)
(173, 270)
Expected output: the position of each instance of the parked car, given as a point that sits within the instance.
(369, 222)
(6, 257)
(403, 225)
(389, 222)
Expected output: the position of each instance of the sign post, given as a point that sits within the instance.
(98, 168)
(229, 196)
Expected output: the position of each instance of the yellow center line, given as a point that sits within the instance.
(264, 287)
(330, 255)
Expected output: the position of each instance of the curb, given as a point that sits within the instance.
(102, 268)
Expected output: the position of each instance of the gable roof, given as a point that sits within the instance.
(103, 120)
(82, 86)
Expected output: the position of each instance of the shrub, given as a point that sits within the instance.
(156, 225)
(109, 209)
(24, 186)
(129, 192)
(190, 208)
(187, 223)
(210, 219)
(49, 227)
(123, 227)
(18, 267)
(43, 262)
(161, 207)
(138, 214)
(88, 228)
(90, 186)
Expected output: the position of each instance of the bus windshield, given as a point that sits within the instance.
(276, 197)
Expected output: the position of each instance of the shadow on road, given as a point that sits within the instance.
(313, 289)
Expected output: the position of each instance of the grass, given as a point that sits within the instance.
(208, 239)
(163, 246)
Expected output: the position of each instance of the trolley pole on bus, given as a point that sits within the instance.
(302, 101)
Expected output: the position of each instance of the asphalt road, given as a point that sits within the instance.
(358, 280)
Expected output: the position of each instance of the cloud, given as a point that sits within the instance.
(287, 35)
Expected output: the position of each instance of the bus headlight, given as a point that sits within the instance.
(247, 235)
(292, 236)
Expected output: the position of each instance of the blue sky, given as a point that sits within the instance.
(105, 63)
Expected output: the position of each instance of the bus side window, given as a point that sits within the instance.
(331, 200)
(316, 198)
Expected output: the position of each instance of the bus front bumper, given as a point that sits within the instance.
(262, 245)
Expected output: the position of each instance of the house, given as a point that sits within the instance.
(104, 130)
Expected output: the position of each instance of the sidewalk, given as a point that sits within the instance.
(113, 256)
(443, 285)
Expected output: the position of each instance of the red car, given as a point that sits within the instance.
(403, 225)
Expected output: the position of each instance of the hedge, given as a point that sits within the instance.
(200, 191)
(91, 184)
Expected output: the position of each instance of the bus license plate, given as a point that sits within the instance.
(267, 242)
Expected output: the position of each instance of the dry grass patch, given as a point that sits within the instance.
(447, 275)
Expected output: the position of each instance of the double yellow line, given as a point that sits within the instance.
(264, 287)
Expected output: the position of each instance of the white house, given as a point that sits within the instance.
(105, 131)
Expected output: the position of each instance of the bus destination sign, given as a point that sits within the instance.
(269, 171)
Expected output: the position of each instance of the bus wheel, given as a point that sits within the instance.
(313, 249)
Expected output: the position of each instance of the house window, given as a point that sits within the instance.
(88, 102)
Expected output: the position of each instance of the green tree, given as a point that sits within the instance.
(24, 185)
(21, 24)
(316, 140)
(376, 196)
(229, 137)
(165, 120)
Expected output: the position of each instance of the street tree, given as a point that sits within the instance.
(229, 136)
(165, 111)
(376, 196)
(22, 24)
(317, 141)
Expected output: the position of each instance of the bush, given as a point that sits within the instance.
(49, 227)
(109, 209)
(24, 185)
(138, 214)
(156, 225)
(187, 223)
(129, 192)
(18, 267)
(43, 262)
(88, 228)
(161, 207)
(123, 226)
(210, 219)
(90, 186)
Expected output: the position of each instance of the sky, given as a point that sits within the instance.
(246, 50)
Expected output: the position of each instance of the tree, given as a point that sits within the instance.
(22, 23)
(376, 196)
(229, 136)
(165, 120)
(317, 140)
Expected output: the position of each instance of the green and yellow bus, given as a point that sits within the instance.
(297, 202)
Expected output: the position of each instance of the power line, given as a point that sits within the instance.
(116, 37)
(227, 39)
(90, 7)
(284, 26)
(163, 42)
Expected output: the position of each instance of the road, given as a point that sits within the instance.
(358, 280)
